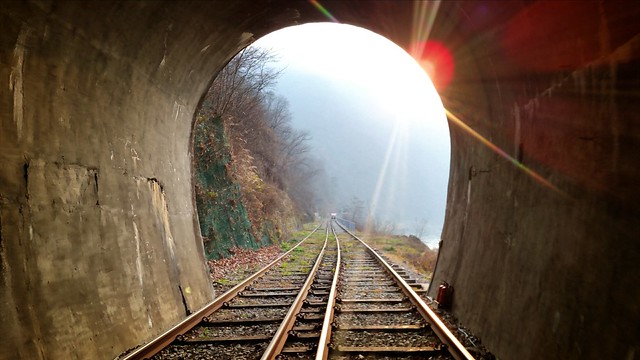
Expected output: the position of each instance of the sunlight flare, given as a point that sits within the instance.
(379, 101)
(424, 16)
(534, 175)
(323, 10)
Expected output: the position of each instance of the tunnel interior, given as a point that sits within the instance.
(99, 246)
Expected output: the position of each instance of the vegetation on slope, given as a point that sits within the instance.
(224, 222)
(406, 250)
(252, 168)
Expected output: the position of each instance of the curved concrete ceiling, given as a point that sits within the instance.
(99, 248)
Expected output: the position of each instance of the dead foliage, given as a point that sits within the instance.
(242, 261)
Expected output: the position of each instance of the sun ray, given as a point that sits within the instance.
(424, 16)
(398, 192)
(375, 198)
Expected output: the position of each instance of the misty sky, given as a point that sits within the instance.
(376, 120)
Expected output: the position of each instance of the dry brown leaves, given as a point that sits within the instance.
(243, 261)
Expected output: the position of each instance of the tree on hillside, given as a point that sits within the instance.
(243, 83)
(377, 226)
(271, 158)
(420, 226)
(356, 210)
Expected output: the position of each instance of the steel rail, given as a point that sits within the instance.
(325, 333)
(280, 337)
(156, 345)
(454, 346)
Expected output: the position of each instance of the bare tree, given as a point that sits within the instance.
(271, 157)
(244, 80)
(376, 226)
(278, 115)
(356, 208)
(419, 227)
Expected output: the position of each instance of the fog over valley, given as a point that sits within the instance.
(375, 121)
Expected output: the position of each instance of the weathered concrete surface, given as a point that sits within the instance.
(99, 248)
(540, 273)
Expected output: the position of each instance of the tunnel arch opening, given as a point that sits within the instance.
(369, 88)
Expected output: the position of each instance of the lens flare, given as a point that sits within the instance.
(537, 177)
(424, 16)
(436, 60)
(323, 10)
(433, 56)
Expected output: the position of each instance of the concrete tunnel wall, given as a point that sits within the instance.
(99, 247)
(540, 273)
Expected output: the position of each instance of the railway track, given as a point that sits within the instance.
(377, 311)
(328, 297)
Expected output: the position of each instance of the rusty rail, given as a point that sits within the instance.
(455, 348)
(280, 337)
(325, 333)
